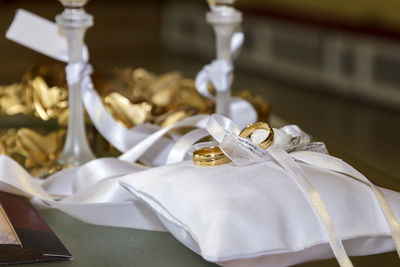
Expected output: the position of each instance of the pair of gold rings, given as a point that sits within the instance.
(213, 156)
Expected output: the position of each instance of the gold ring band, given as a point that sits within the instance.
(210, 156)
(246, 132)
(213, 156)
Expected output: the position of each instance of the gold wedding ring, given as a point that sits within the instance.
(213, 156)
(249, 130)
(210, 156)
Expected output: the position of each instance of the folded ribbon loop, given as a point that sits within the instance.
(219, 73)
(237, 43)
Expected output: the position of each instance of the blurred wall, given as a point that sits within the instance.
(383, 13)
(299, 46)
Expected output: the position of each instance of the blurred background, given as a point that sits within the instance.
(331, 67)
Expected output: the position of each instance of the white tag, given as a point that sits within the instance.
(38, 34)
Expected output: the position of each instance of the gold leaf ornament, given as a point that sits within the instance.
(13, 99)
(126, 112)
(48, 102)
(38, 148)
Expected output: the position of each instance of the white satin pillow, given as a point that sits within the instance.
(257, 216)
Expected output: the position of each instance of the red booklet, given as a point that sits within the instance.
(24, 235)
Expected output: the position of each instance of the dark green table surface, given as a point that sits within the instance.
(93, 245)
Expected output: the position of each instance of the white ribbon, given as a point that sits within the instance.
(220, 73)
(299, 176)
(120, 137)
(237, 43)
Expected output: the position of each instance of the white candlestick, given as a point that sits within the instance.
(225, 21)
(74, 22)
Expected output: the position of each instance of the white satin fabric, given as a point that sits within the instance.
(256, 215)
(93, 193)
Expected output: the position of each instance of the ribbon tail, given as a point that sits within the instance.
(137, 151)
(237, 43)
(182, 146)
(298, 175)
(338, 165)
(390, 217)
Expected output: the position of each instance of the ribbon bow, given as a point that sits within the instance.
(243, 152)
(220, 73)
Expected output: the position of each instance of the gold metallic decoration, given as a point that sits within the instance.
(209, 156)
(12, 100)
(125, 112)
(37, 153)
(34, 112)
(48, 102)
(41, 149)
(259, 127)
